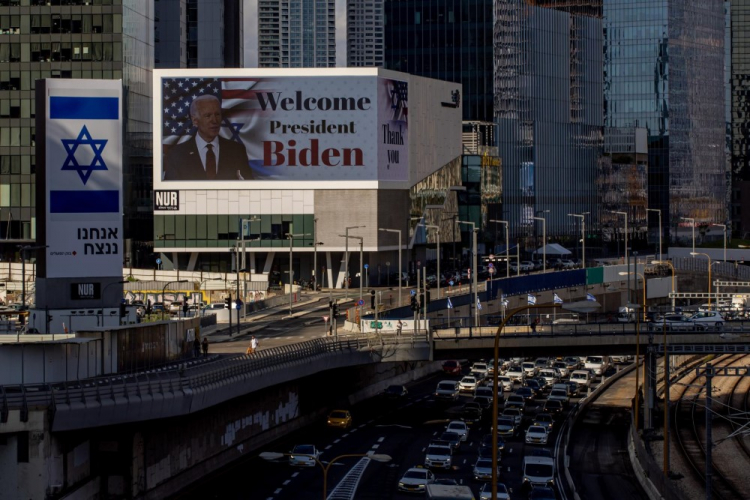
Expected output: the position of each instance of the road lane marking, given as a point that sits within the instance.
(375, 446)
(335, 441)
(327, 447)
(277, 491)
(295, 474)
(381, 439)
(286, 483)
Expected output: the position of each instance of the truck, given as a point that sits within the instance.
(449, 492)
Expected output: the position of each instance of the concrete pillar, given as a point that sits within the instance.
(649, 389)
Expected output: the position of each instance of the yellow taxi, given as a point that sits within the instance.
(340, 418)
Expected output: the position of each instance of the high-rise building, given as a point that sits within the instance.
(663, 71)
(74, 39)
(548, 109)
(739, 47)
(365, 33)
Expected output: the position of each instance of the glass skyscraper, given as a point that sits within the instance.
(548, 108)
(663, 71)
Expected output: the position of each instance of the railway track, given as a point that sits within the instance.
(689, 431)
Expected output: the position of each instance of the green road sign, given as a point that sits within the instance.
(376, 324)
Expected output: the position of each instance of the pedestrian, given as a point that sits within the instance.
(205, 346)
(253, 345)
(185, 309)
(196, 347)
(533, 325)
(399, 326)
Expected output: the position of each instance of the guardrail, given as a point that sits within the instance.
(181, 379)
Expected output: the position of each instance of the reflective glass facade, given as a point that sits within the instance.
(73, 39)
(548, 108)
(663, 70)
(740, 111)
(447, 40)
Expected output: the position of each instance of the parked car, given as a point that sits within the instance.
(567, 264)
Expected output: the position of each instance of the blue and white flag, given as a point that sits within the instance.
(450, 304)
(506, 302)
(531, 300)
(590, 297)
(557, 299)
(479, 305)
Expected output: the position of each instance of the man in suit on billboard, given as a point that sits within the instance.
(206, 156)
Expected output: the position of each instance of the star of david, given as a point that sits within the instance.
(97, 146)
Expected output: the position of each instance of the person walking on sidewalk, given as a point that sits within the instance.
(196, 347)
(205, 346)
(253, 345)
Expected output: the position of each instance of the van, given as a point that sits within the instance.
(581, 377)
(538, 471)
(562, 386)
(447, 389)
(449, 492)
(599, 364)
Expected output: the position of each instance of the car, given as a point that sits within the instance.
(567, 264)
(536, 434)
(506, 383)
(672, 322)
(527, 393)
(157, 307)
(176, 306)
(707, 320)
(468, 384)
(447, 389)
(216, 305)
(515, 373)
(529, 369)
(544, 420)
(573, 362)
(445, 481)
(538, 471)
(485, 492)
(479, 370)
(485, 450)
(452, 438)
(598, 364)
(514, 413)
(471, 412)
(506, 426)
(395, 392)
(416, 479)
(483, 469)
(438, 456)
(550, 376)
(485, 391)
(515, 401)
(581, 377)
(459, 428)
(541, 363)
(559, 395)
(573, 388)
(304, 455)
(340, 418)
(487, 440)
(452, 367)
(535, 386)
(485, 402)
(562, 368)
(542, 493)
(553, 407)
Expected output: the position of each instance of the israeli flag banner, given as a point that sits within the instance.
(450, 304)
(479, 305)
(590, 297)
(557, 299)
(83, 176)
(531, 300)
(506, 302)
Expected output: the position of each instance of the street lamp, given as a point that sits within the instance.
(709, 273)
(245, 224)
(627, 254)
(657, 210)
(474, 231)
(507, 245)
(581, 307)
(725, 238)
(623, 273)
(346, 265)
(437, 228)
(290, 237)
(544, 239)
(399, 258)
(638, 351)
(164, 291)
(692, 223)
(24, 249)
(583, 236)
(315, 253)
(658, 262)
(270, 455)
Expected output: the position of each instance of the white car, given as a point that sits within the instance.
(479, 370)
(485, 492)
(468, 384)
(560, 395)
(506, 383)
(304, 455)
(529, 369)
(483, 469)
(514, 413)
(459, 428)
(438, 456)
(416, 479)
(562, 368)
(515, 373)
(706, 320)
(536, 434)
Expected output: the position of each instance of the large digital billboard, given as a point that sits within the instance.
(238, 131)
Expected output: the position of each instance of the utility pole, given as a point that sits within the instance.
(290, 237)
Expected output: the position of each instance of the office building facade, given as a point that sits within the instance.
(109, 39)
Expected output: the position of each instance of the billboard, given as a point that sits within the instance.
(83, 177)
(237, 131)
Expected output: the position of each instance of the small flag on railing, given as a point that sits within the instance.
(506, 302)
(531, 299)
(557, 299)
(590, 297)
(479, 304)
(450, 304)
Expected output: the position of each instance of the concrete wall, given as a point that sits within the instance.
(44, 362)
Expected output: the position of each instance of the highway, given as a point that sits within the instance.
(401, 429)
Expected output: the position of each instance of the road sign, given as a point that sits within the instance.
(367, 266)
(376, 324)
(360, 302)
(492, 270)
(450, 283)
(413, 293)
(238, 305)
(325, 319)
(158, 261)
(491, 265)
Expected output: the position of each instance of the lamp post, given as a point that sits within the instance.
(271, 455)
(399, 258)
(544, 238)
(290, 237)
(672, 269)
(346, 261)
(315, 253)
(474, 231)
(657, 210)
(437, 228)
(237, 299)
(692, 224)
(584, 306)
(361, 262)
(627, 254)
(724, 226)
(24, 249)
(709, 273)
(164, 291)
(583, 236)
(245, 224)
(638, 351)
(507, 245)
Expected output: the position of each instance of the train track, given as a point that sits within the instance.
(689, 431)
